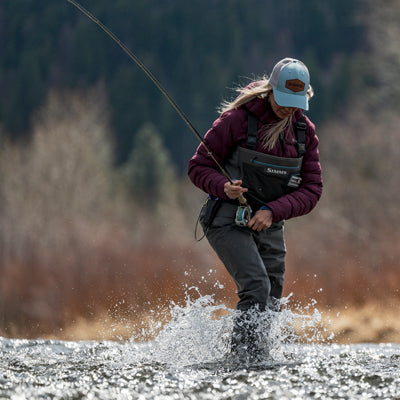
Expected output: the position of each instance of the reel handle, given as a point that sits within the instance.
(242, 200)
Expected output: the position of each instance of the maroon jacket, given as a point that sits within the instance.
(230, 130)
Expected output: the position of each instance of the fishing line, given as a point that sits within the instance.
(154, 80)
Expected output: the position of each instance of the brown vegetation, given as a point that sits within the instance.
(75, 244)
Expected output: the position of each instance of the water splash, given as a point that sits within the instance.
(187, 360)
(199, 332)
(193, 334)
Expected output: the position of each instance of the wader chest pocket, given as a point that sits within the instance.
(268, 177)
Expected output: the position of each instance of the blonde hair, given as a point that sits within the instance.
(269, 134)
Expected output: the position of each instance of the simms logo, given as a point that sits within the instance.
(295, 85)
(274, 171)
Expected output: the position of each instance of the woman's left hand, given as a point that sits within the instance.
(262, 220)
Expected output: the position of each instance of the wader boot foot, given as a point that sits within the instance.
(248, 343)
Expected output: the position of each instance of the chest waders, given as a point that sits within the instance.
(266, 177)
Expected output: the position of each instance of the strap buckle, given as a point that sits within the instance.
(301, 125)
(294, 181)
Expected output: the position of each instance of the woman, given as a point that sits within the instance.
(270, 153)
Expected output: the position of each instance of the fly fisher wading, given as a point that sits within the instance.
(243, 213)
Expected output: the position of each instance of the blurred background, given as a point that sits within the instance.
(97, 215)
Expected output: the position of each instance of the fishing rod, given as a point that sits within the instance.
(155, 81)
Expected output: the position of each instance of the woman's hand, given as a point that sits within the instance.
(234, 191)
(262, 220)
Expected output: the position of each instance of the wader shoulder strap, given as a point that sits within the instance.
(252, 130)
(300, 128)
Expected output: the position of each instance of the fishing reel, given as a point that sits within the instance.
(243, 215)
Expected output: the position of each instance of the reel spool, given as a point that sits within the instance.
(243, 215)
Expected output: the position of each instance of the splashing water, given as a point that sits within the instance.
(193, 335)
(187, 360)
(197, 333)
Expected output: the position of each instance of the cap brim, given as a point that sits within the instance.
(291, 100)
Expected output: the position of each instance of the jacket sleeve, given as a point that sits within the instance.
(220, 139)
(305, 198)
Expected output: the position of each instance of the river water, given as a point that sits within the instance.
(189, 360)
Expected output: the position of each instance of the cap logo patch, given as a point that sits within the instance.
(295, 85)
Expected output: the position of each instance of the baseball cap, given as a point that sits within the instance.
(290, 81)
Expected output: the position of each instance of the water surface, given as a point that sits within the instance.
(188, 360)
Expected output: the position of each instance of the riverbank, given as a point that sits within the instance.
(370, 323)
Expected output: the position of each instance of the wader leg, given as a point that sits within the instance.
(238, 251)
(256, 262)
(272, 249)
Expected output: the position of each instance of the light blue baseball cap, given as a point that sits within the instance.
(290, 81)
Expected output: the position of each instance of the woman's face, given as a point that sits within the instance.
(280, 112)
